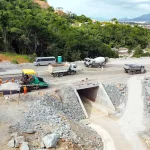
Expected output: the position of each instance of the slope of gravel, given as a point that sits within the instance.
(49, 114)
(117, 93)
(71, 106)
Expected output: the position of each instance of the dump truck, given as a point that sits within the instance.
(97, 62)
(134, 68)
(59, 70)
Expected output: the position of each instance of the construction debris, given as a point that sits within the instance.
(24, 146)
(11, 143)
(51, 140)
(50, 116)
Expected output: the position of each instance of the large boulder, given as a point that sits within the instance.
(11, 143)
(51, 140)
(24, 146)
(19, 140)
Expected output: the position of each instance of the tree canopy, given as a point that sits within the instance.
(25, 28)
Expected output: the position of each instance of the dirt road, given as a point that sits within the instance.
(114, 137)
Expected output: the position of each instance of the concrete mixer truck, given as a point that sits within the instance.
(97, 62)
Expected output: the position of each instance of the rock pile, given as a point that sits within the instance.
(48, 115)
(71, 106)
(18, 141)
(117, 93)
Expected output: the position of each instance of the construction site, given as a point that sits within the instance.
(91, 109)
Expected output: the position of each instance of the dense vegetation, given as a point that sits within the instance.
(25, 28)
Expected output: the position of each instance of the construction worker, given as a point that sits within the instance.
(12, 80)
(30, 79)
(6, 81)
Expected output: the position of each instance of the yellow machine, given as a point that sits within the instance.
(28, 72)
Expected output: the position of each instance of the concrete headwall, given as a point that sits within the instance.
(96, 96)
(103, 99)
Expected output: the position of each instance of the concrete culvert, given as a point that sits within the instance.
(94, 94)
(88, 93)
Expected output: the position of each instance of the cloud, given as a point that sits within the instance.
(105, 8)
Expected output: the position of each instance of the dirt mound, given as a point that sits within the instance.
(5, 58)
(43, 4)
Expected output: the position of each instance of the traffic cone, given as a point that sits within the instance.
(25, 90)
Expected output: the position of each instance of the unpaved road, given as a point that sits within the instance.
(112, 133)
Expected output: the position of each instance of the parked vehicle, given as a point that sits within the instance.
(134, 68)
(39, 61)
(59, 70)
(96, 62)
(85, 60)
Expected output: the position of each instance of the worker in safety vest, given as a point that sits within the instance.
(30, 79)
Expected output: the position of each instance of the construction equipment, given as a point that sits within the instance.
(28, 82)
(134, 68)
(31, 81)
(58, 70)
(97, 62)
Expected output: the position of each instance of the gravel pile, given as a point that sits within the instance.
(51, 115)
(71, 106)
(117, 93)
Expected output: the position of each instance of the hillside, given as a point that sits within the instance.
(145, 17)
(29, 29)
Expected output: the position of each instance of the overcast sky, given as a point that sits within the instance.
(104, 8)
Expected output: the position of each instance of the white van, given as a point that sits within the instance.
(39, 61)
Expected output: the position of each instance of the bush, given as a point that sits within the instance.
(32, 57)
(14, 61)
(145, 54)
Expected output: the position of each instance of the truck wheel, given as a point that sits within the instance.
(126, 71)
(37, 87)
(130, 72)
(60, 74)
(90, 66)
(143, 70)
(99, 66)
(72, 72)
(55, 74)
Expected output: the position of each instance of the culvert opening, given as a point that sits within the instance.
(88, 95)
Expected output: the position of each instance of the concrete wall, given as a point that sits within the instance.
(103, 99)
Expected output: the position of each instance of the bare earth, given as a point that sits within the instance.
(11, 112)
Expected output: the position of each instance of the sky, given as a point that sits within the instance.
(104, 9)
